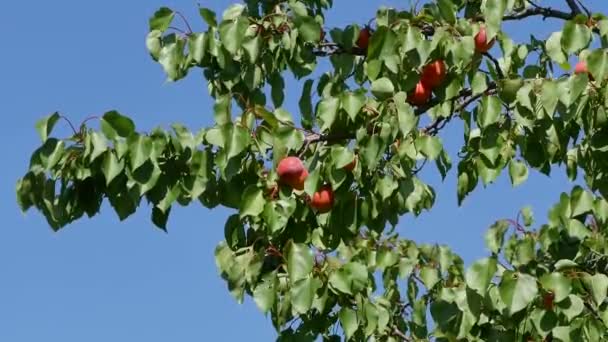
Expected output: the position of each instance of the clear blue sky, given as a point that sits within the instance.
(103, 280)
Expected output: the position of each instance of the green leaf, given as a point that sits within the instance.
(153, 43)
(161, 19)
(160, 218)
(528, 216)
(309, 29)
(557, 283)
(518, 172)
(597, 284)
(111, 166)
(253, 48)
(480, 274)
(430, 146)
(252, 202)
(113, 125)
(238, 141)
(488, 112)
(265, 292)
(277, 85)
(495, 236)
(234, 232)
(305, 105)
(221, 110)
(430, 276)
(232, 34)
(233, 12)
(171, 58)
(382, 44)
(299, 261)
(45, 125)
(383, 88)
(327, 111)
(352, 102)
(98, 145)
(517, 290)
(479, 83)
(550, 97)
(140, 147)
(208, 15)
(349, 322)
(493, 12)
(577, 230)
(302, 294)
(575, 37)
(50, 153)
(350, 278)
(341, 156)
(598, 64)
(554, 48)
(581, 202)
(408, 120)
(447, 10)
(571, 306)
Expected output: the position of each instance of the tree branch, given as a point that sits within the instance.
(496, 65)
(574, 7)
(400, 334)
(545, 12)
(440, 122)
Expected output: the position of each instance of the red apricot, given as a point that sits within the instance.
(323, 200)
(420, 95)
(292, 172)
(433, 74)
(351, 166)
(482, 45)
(548, 300)
(363, 39)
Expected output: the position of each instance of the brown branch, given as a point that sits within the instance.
(398, 333)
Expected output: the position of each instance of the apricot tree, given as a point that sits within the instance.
(317, 195)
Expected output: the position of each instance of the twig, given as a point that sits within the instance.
(69, 123)
(419, 168)
(545, 12)
(185, 21)
(400, 334)
(587, 11)
(574, 7)
(178, 30)
(496, 65)
(517, 226)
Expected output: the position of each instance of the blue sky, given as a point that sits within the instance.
(103, 280)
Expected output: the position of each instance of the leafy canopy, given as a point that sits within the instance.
(346, 273)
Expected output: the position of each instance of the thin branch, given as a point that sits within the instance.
(69, 123)
(496, 65)
(178, 30)
(587, 11)
(185, 21)
(574, 7)
(400, 334)
(545, 12)
(316, 137)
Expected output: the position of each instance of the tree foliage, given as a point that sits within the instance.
(346, 273)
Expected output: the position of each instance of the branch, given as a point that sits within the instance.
(400, 334)
(496, 65)
(545, 12)
(587, 11)
(440, 122)
(574, 7)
